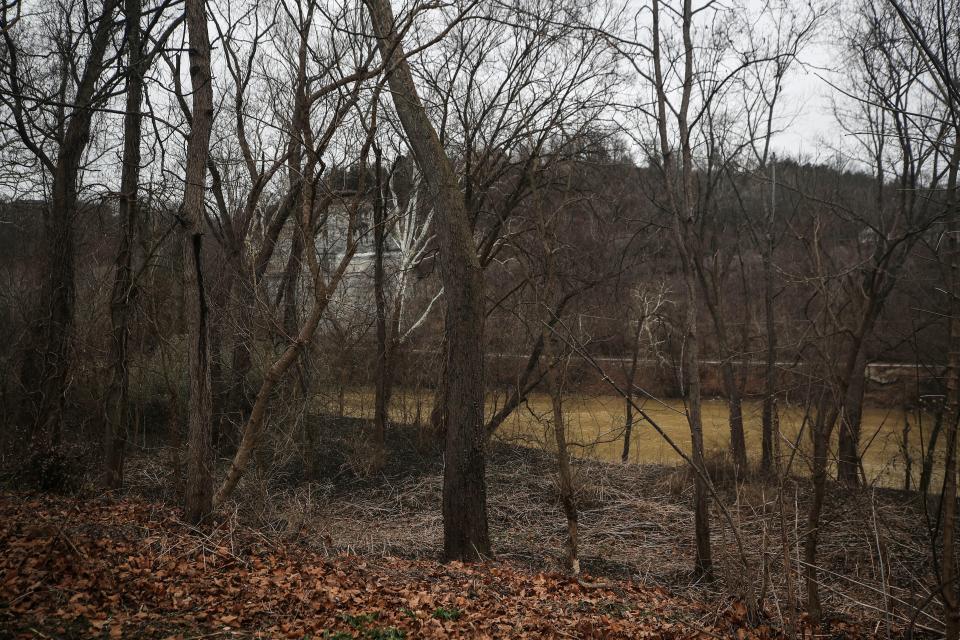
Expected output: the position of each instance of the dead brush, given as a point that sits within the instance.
(723, 473)
(365, 457)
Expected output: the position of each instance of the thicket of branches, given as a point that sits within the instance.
(220, 218)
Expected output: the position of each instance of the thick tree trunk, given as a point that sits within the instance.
(848, 466)
(45, 366)
(738, 443)
(46, 360)
(117, 400)
(466, 536)
(198, 498)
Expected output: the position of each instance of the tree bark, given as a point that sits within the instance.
(820, 433)
(117, 400)
(45, 366)
(198, 498)
(949, 595)
(848, 445)
(631, 379)
(682, 206)
(466, 535)
(738, 443)
(567, 495)
(255, 424)
(712, 297)
(768, 433)
(383, 373)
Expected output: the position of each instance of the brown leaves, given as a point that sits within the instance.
(130, 569)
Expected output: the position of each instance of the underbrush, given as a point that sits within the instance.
(635, 521)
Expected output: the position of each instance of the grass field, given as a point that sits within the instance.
(595, 429)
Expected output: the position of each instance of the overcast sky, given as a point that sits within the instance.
(812, 130)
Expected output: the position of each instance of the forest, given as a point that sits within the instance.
(479, 319)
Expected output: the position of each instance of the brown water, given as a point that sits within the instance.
(595, 429)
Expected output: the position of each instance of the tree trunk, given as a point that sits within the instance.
(682, 203)
(821, 446)
(690, 374)
(848, 466)
(46, 360)
(948, 498)
(768, 425)
(567, 495)
(255, 424)
(768, 433)
(239, 397)
(926, 471)
(948, 590)
(233, 302)
(738, 443)
(631, 376)
(907, 457)
(287, 292)
(712, 296)
(117, 400)
(383, 369)
(198, 498)
(466, 536)
(217, 303)
(703, 563)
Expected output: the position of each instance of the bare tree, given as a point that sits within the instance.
(647, 306)
(51, 116)
(466, 535)
(198, 495)
(320, 209)
(117, 400)
(932, 30)
(903, 151)
(679, 191)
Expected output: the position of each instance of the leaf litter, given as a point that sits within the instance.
(117, 568)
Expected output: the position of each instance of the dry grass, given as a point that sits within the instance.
(635, 520)
(595, 425)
